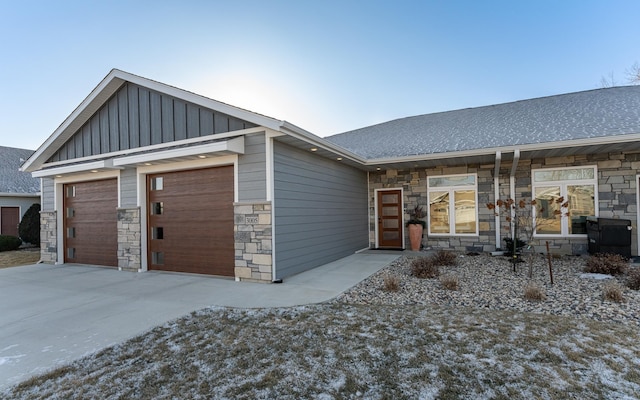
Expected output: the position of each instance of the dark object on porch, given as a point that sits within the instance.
(607, 235)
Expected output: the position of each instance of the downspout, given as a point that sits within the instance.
(512, 189)
(496, 193)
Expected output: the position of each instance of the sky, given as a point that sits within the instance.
(327, 66)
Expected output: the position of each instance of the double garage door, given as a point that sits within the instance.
(189, 222)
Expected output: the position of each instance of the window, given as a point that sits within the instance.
(577, 185)
(453, 205)
(157, 183)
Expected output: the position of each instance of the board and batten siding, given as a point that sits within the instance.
(252, 169)
(135, 117)
(320, 210)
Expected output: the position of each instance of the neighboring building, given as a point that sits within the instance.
(18, 190)
(146, 176)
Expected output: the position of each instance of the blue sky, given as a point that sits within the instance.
(326, 66)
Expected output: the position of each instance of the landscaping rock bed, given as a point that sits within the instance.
(489, 282)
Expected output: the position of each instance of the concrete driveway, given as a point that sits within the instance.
(51, 315)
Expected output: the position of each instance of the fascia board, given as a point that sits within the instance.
(206, 102)
(74, 121)
(2, 194)
(70, 169)
(299, 133)
(235, 146)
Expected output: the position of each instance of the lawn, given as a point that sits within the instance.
(337, 350)
(19, 257)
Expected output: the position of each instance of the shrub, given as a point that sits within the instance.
(613, 291)
(533, 292)
(29, 228)
(391, 283)
(633, 279)
(8, 243)
(509, 245)
(611, 264)
(450, 282)
(444, 258)
(424, 268)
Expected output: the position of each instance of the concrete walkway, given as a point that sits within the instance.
(50, 315)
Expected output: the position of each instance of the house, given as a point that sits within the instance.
(18, 190)
(146, 176)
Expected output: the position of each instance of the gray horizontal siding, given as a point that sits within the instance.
(320, 210)
(128, 188)
(135, 117)
(252, 169)
(48, 195)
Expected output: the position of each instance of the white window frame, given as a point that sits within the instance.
(451, 190)
(562, 184)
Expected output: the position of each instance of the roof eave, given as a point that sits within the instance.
(602, 140)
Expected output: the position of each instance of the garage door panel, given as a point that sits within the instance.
(196, 221)
(90, 228)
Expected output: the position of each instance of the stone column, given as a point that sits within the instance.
(253, 234)
(129, 239)
(48, 237)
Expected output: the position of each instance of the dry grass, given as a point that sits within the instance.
(613, 291)
(533, 292)
(391, 283)
(347, 351)
(19, 257)
(611, 264)
(633, 279)
(445, 258)
(450, 281)
(425, 268)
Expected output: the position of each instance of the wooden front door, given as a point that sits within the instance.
(390, 218)
(190, 221)
(91, 222)
(10, 218)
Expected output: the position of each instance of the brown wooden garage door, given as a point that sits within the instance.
(90, 222)
(9, 220)
(190, 221)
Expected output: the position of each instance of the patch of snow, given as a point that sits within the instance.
(587, 275)
(9, 359)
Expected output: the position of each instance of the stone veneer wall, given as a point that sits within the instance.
(48, 237)
(253, 235)
(129, 239)
(617, 197)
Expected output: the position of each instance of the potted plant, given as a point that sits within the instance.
(416, 227)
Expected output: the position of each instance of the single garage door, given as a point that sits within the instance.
(190, 221)
(91, 222)
(9, 220)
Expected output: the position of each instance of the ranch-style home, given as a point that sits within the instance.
(145, 176)
(18, 190)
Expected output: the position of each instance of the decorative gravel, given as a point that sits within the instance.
(488, 282)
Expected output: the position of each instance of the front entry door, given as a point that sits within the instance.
(389, 218)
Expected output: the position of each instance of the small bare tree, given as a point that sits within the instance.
(524, 224)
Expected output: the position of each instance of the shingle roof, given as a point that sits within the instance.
(580, 115)
(11, 179)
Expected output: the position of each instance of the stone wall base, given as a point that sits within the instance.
(48, 237)
(253, 247)
(129, 239)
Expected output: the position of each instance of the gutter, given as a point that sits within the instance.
(512, 189)
(496, 193)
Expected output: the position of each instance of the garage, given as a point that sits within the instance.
(190, 221)
(90, 222)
